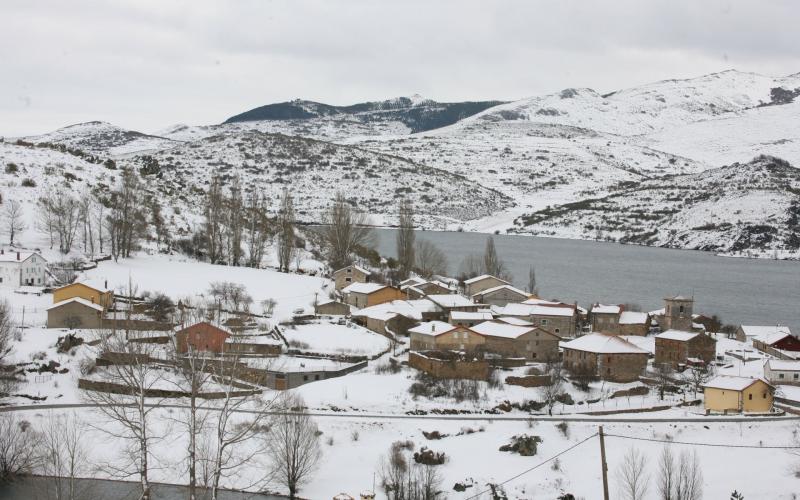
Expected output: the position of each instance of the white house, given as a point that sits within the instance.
(22, 268)
(779, 371)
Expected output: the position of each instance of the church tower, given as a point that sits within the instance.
(678, 313)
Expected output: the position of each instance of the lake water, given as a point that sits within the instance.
(41, 488)
(740, 291)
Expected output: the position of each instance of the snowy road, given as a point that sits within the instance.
(468, 417)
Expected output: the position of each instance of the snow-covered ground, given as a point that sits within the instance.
(330, 338)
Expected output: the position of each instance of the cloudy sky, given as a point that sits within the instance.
(148, 64)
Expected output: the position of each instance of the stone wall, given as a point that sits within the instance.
(450, 368)
(529, 380)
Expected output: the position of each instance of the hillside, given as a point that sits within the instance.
(314, 171)
(751, 207)
(414, 112)
(101, 138)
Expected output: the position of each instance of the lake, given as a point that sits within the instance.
(740, 291)
(41, 488)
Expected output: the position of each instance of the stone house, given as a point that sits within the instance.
(452, 302)
(438, 335)
(608, 357)
(605, 318)
(634, 323)
(781, 371)
(94, 293)
(728, 394)
(370, 294)
(421, 290)
(559, 319)
(75, 312)
(747, 333)
(468, 319)
(331, 308)
(203, 337)
(253, 345)
(513, 341)
(22, 269)
(500, 295)
(480, 283)
(676, 347)
(677, 314)
(349, 275)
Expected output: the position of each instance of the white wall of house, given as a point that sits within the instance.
(30, 271)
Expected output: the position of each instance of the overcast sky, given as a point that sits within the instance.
(149, 64)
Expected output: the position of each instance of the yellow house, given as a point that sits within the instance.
(363, 295)
(92, 293)
(728, 394)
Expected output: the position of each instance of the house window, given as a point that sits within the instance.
(348, 279)
(558, 330)
(305, 378)
(764, 395)
(780, 375)
(533, 356)
(544, 321)
(795, 376)
(750, 397)
(681, 309)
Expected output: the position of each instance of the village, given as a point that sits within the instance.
(346, 342)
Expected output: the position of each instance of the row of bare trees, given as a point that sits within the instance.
(116, 220)
(676, 478)
(488, 263)
(222, 436)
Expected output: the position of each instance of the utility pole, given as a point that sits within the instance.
(603, 464)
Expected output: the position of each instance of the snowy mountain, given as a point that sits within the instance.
(415, 112)
(641, 165)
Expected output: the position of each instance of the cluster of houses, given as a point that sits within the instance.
(490, 318)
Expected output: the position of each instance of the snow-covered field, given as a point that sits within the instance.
(329, 338)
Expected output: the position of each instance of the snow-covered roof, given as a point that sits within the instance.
(450, 300)
(503, 330)
(514, 321)
(755, 330)
(414, 280)
(606, 309)
(601, 343)
(481, 278)
(732, 383)
(541, 302)
(633, 318)
(677, 335)
(514, 309)
(432, 328)
(784, 365)
(366, 288)
(97, 284)
(501, 287)
(771, 338)
(79, 300)
(11, 256)
(358, 268)
(412, 309)
(470, 316)
(679, 297)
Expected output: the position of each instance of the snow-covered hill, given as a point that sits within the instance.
(505, 167)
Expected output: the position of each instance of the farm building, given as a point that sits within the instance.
(92, 292)
(349, 275)
(369, 294)
(514, 341)
(606, 356)
(676, 347)
(75, 313)
(438, 335)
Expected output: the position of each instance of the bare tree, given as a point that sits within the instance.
(492, 264)
(293, 445)
(664, 378)
(554, 385)
(59, 213)
(405, 239)
(430, 259)
(402, 480)
(133, 371)
(689, 484)
(127, 218)
(257, 230)
(6, 330)
(286, 223)
(667, 474)
(64, 458)
(15, 222)
(698, 375)
(632, 475)
(346, 231)
(234, 223)
(532, 288)
(470, 267)
(18, 447)
(224, 453)
(159, 223)
(214, 212)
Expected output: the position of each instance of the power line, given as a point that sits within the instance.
(535, 466)
(714, 445)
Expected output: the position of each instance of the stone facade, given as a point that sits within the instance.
(617, 367)
(481, 283)
(677, 314)
(75, 314)
(332, 308)
(563, 326)
(349, 275)
(449, 368)
(500, 296)
(457, 339)
(202, 337)
(535, 345)
(675, 351)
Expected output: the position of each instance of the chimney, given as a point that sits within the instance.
(17, 255)
(105, 284)
(433, 327)
(2, 251)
